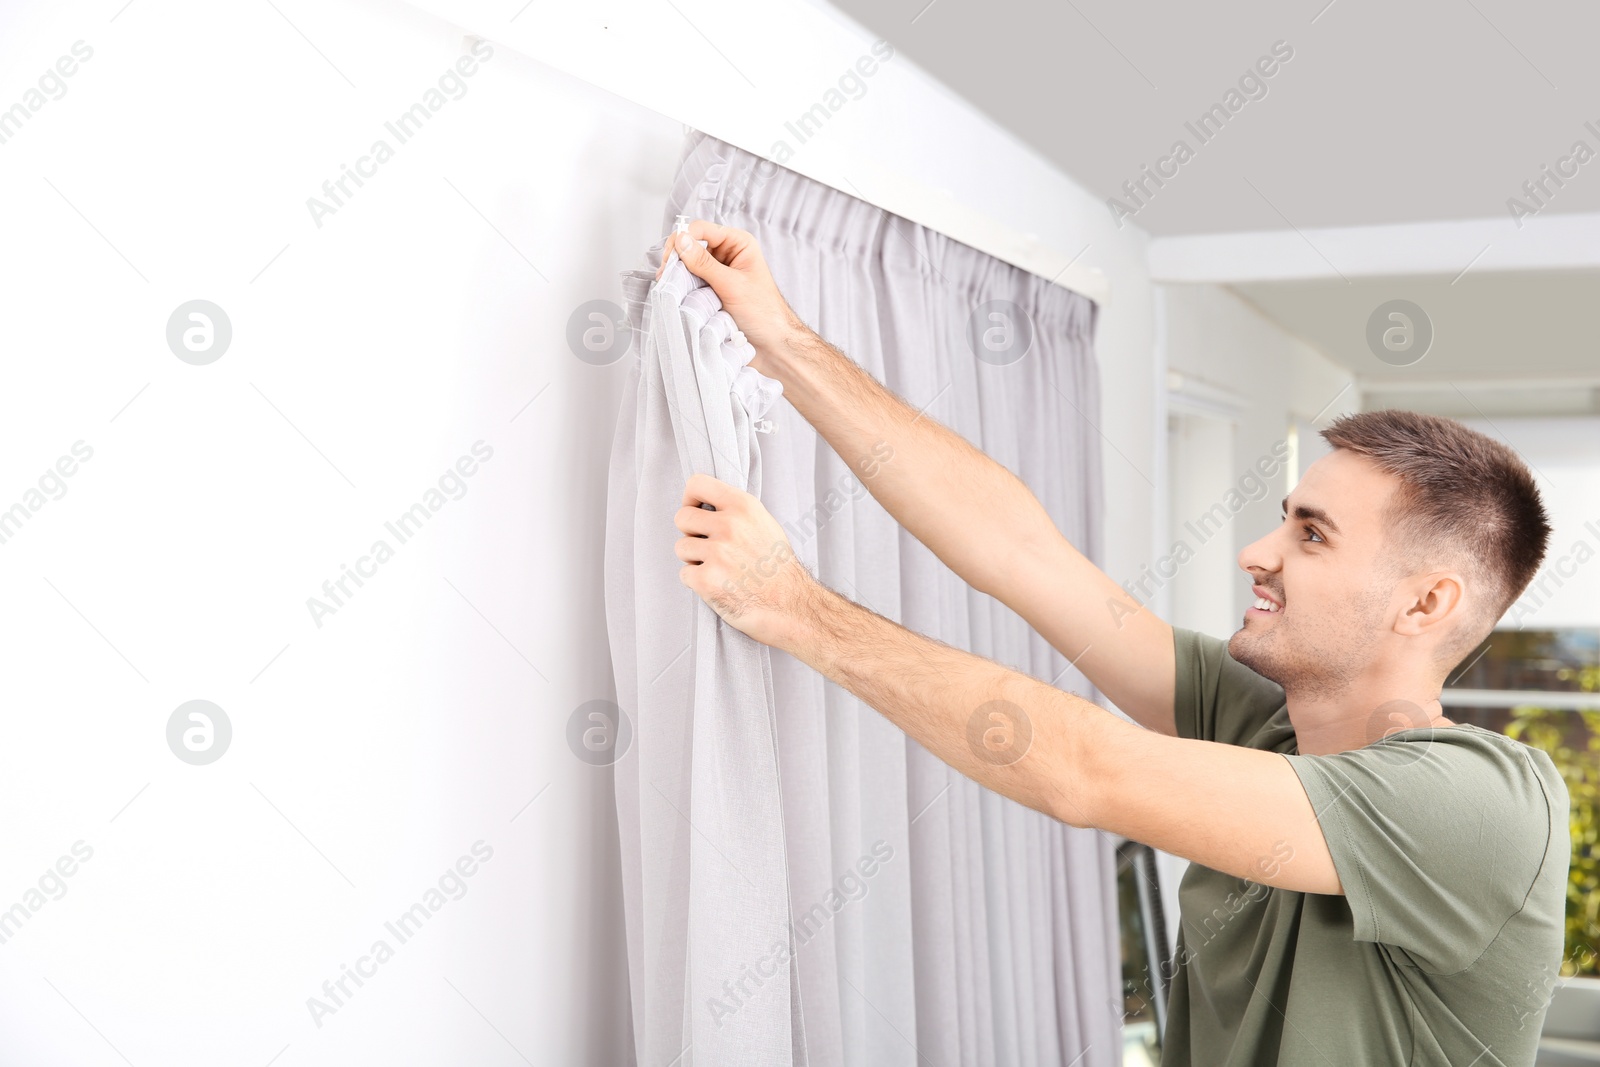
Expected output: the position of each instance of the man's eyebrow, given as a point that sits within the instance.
(1304, 511)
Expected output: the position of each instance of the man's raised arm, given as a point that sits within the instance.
(973, 513)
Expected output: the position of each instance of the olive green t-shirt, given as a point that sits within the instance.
(1452, 846)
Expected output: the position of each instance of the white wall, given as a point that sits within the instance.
(1564, 454)
(1201, 472)
(368, 354)
(371, 753)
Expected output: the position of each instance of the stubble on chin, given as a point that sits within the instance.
(1254, 651)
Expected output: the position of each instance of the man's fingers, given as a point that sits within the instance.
(698, 522)
(724, 245)
(723, 242)
(700, 261)
(704, 489)
(691, 549)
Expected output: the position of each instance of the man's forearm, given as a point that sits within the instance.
(927, 476)
(1008, 732)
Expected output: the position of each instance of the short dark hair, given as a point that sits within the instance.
(1461, 491)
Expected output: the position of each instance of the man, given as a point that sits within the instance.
(1371, 883)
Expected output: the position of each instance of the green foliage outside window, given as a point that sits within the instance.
(1572, 741)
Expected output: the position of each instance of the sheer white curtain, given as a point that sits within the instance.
(804, 884)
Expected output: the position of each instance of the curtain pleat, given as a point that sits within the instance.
(927, 919)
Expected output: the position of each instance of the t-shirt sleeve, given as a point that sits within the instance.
(1437, 836)
(1217, 698)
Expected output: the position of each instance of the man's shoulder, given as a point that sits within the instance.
(1472, 750)
(1490, 797)
(1521, 771)
(1474, 760)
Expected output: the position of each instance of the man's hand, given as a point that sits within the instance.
(732, 264)
(739, 561)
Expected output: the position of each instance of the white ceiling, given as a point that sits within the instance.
(1486, 329)
(1386, 113)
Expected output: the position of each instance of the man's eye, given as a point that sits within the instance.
(1311, 533)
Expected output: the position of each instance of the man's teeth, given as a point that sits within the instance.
(1265, 605)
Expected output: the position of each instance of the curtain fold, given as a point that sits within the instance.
(707, 886)
(917, 917)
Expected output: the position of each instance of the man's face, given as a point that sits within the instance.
(1326, 571)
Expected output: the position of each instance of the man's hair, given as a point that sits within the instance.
(1464, 498)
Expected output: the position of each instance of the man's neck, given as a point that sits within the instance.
(1364, 712)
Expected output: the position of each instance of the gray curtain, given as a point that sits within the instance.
(803, 883)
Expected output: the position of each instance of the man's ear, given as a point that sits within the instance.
(1434, 605)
